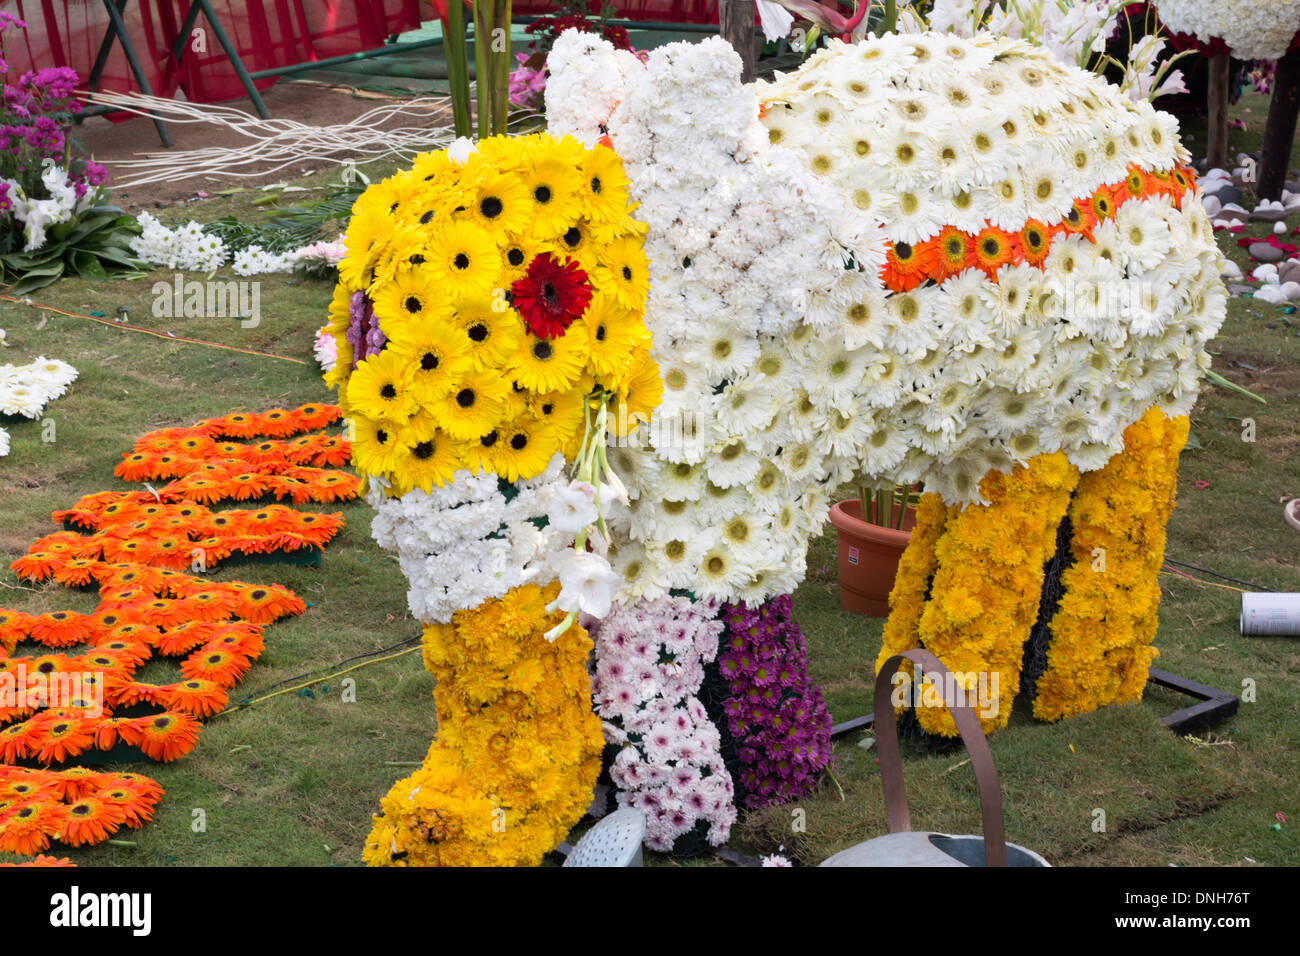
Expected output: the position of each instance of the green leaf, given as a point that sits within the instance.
(1217, 379)
(1192, 442)
(87, 265)
(39, 278)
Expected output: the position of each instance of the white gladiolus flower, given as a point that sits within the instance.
(573, 507)
(587, 585)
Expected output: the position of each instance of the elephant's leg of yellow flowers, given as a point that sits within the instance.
(915, 568)
(518, 748)
(988, 576)
(1100, 647)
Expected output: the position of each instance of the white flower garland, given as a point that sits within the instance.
(464, 543)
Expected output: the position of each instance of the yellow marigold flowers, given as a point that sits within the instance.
(518, 748)
(465, 297)
(970, 587)
(1100, 648)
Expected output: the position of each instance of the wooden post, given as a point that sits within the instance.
(1279, 130)
(736, 24)
(1217, 152)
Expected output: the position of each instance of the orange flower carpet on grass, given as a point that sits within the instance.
(146, 552)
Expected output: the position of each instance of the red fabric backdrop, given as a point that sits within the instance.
(647, 11)
(267, 33)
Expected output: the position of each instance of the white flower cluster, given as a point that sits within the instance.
(778, 340)
(649, 667)
(751, 261)
(1253, 29)
(37, 215)
(465, 543)
(25, 390)
(1072, 30)
(258, 261)
(186, 247)
(993, 132)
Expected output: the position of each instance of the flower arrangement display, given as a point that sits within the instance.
(518, 748)
(52, 219)
(137, 552)
(650, 660)
(776, 717)
(998, 269)
(528, 81)
(1250, 29)
(77, 807)
(25, 390)
(488, 335)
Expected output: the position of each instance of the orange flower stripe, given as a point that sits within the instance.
(77, 807)
(953, 251)
(135, 548)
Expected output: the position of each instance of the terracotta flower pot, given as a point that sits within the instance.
(868, 558)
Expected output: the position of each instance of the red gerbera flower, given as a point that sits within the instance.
(551, 295)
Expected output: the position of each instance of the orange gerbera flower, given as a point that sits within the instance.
(27, 829)
(311, 417)
(277, 423)
(77, 573)
(993, 250)
(26, 785)
(91, 820)
(61, 628)
(1102, 205)
(238, 425)
(109, 729)
(222, 667)
(167, 736)
(1035, 242)
(135, 466)
(956, 253)
(14, 626)
(75, 782)
(241, 637)
(15, 742)
(133, 652)
(43, 861)
(264, 605)
(163, 612)
(134, 693)
(907, 266)
(210, 605)
(135, 802)
(183, 638)
(36, 565)
(60, 734)
(196, 697)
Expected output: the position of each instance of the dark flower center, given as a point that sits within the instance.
(465, 397)
(426, 218)
(424, 450)
(573, 236)
(519, 441)
(477, 332)
(428, 361)
(388, 391)
(542, 194)
(627, 274)
(596, 186)
(461, 261)
(488, 440)
(491, 207)
(542, 350)
(515, 257)
(413, 304)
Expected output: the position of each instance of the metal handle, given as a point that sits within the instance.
(968, 725)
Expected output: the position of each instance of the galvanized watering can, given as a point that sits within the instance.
(902, 847)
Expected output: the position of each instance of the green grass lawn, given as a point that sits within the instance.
(294, 779)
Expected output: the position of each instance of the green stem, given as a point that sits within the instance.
(903, 494)
(457, 67)
(501, 71)
(482, 72)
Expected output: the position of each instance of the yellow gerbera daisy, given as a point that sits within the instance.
(562, 410)
(553, 184)
(612, 335)
(604, 185)
(525, 447)
(407, 297)
(624, 271)
(490, 336)
(376, 447)
(380, 388)
(499, 203)
(432, 461)
(464, 259)
(473, 406)
(438, 356)
(549, 365)
(639, 397)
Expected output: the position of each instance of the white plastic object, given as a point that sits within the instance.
(614, 841)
